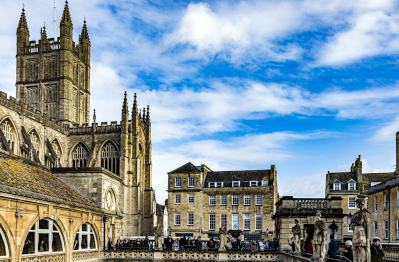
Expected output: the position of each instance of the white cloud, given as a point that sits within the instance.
(314, 185)
(387, 132)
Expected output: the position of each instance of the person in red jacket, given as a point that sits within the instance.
(309, 249)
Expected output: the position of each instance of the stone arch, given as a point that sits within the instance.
(114, 206)
(15, 148)
(32, 133)
(79, 156)
(109, 160)
(8, 235)
(56, 140)
(96, 234)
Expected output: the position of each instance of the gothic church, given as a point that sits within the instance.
(48, 124)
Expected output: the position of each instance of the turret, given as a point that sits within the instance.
(134, 114)
(148, 119)
(84, 44)
(22, 34)
(66, 29)
(44, 43)
(125, 115)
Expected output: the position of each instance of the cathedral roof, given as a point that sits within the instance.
(186, 168)
(20, 178)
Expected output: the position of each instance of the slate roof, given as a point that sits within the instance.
(344, 177)
(244, 176)
(377, 177)
(20, 178)
(186, 168)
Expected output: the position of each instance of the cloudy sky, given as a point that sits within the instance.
(305, 85)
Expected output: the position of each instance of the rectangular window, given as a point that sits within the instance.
(223, 220)
(265, 182)
(247, 200)
(178, 182)
(337, 186)
(236, 201)
(247, 222)
(375, 228)
(219, 184)
(191, 182)
(258, 223)
(212, 222)
(212, 200)
(211, 184)
(350, 229)
(351, 186)
(177, 199)
(386, 229)
(223, 200)
(235, 222)
(177, 219)
(191, 198)
(352, 202)
(259, 200)
(236, 183)
(375, 204)
(254, 183)
(385, 202)
(190, 219)
(397, 228)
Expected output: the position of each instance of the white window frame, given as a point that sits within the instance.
(177, 215)
(212, 222)
(385, 201)
(4, 239)
(89, 233)
(247, 200)
(177, 181)
(259, 200)
(211, 184)
(223, 220)
(375, 204)
(386, 229)
(190, 199)
(235, 218)
(219, 184)
(375, 228)
(212, 200)
(335, 185)
(258, 224)
(234, 183)
(191, 181)
(351, 184)
(265, 182)
(253, 181)
(188, 219)
(177, 199)
(247, 222)
(236, 200)
(349, 202)
(223, 200)
(50, 232)
(350, 227)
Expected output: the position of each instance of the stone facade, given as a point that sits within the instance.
(201, 201)
(48, 123)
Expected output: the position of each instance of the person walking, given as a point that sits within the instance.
(332, 249)
(377, 254)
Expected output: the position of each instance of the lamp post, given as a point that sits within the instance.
(333, 227)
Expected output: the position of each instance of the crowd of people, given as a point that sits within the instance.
(140, 243)
(213, 244)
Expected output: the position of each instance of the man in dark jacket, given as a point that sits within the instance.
(377, 254)
(332, 248)
(169, 243)
(183, 242)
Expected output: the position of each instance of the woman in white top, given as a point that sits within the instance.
(261, 245)
(176, 246)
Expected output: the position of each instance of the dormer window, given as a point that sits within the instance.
(211, 184)
(351, 184)
(265, 182)
(219, 184)
(236, 183)
(336, 185)
(254, 183)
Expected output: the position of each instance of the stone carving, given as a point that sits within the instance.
(158, 233)
(296, 230)
(223, 238)
(319, 238)
(361, 248)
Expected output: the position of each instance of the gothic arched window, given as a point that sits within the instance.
(34, 139)
(3, 245)
(110, 158)
(80, 156)
(43, 237)
(9, 133)
(85, 238)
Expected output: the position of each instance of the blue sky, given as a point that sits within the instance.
(305, 85)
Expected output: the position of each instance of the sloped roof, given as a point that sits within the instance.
(243, 175)
(344, 177)
(20, 178)
(377, 177)
(186, 168)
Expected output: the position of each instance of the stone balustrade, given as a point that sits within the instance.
(311, 203)
(288, 205)
(391, 253)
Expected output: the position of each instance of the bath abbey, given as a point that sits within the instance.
(73, 189)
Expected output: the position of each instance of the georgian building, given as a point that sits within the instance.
(47, 129)
(201, 200)
(349, 185)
